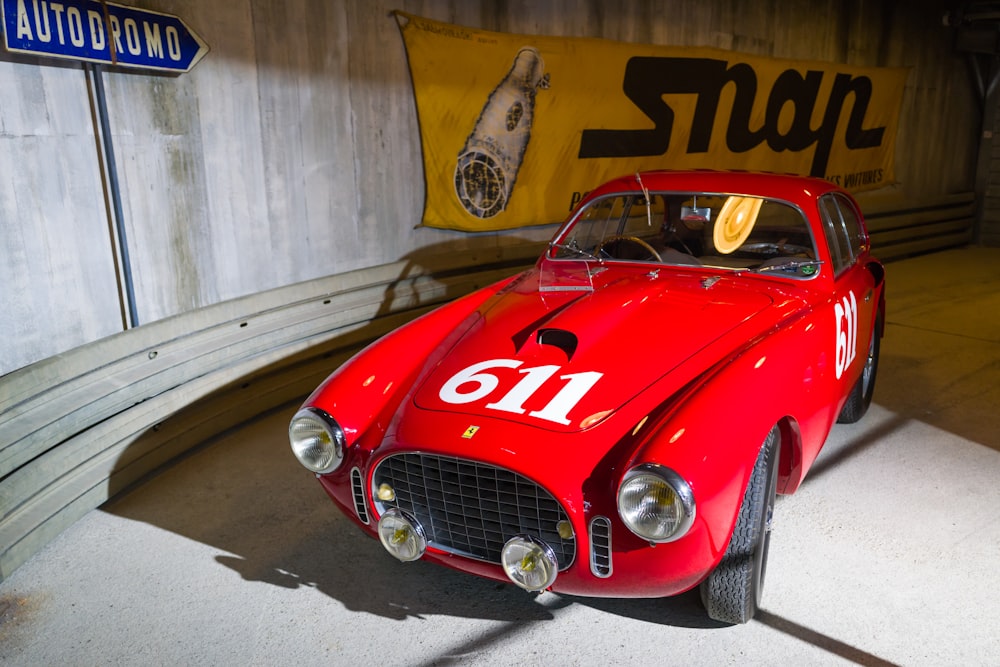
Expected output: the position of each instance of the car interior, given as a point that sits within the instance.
(696, 229)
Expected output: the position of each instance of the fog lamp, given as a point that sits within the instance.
(529, 562)
(402, 535)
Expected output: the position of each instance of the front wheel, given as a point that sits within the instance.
(732, 591)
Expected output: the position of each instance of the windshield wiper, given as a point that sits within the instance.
(574, 250)
(794, 265)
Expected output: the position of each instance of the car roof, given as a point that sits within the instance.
(789, 187)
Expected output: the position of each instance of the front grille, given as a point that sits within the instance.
(471, 508)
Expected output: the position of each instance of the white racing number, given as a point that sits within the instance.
(847, 332)
(482, 384)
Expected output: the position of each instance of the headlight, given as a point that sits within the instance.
(317, 440)
(655, 503)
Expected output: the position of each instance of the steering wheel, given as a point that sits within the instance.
(618, 240)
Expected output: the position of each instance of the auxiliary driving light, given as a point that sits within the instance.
(402, 535)
(529, 562)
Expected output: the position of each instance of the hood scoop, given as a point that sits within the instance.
(552, 337)
(564, 340)
(561, 338)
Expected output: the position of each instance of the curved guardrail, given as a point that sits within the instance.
(77, 428)
(901, 228)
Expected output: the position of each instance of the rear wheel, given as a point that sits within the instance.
(732, 592)
(861, 394)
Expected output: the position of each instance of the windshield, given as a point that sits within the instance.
(720, 231)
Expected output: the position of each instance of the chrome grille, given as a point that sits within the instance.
(471, 508)
(600, 546)
(358, 491)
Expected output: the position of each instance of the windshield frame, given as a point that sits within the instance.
(609, 214)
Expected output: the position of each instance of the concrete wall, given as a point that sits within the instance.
(291, 151)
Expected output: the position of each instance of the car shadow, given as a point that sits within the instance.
(939, 362)
(219, 471)
(949, 381)
(680, 611)
(247, 496)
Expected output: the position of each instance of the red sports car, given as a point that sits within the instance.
(616, 420)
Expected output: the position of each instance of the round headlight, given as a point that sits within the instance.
(655, 503)
(317, 440)
(402, 535)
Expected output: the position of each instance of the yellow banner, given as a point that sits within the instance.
(516, 128)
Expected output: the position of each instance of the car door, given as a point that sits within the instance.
(853, 301)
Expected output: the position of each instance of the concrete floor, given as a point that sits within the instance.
(887, 555)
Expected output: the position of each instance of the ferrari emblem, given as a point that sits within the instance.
(469, 432)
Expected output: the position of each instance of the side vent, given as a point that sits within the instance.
(600, 547)
(358, 490)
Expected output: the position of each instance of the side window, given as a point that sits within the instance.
(852, 226)
(836, 235)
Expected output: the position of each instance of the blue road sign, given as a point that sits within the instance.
(101, 32)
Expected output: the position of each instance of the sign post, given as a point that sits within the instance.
(101, 32)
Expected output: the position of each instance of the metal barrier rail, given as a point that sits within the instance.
(79, 427)
(903, 228)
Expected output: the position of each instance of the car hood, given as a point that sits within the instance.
(564, 360)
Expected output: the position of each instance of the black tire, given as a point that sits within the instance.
(861, 394)
(731, 593)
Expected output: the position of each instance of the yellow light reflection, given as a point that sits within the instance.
(639, 425)
(735, 222)
(594, 418)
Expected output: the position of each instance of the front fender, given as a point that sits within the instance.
(367, 389)
(711, 432)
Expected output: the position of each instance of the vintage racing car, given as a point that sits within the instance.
(616, 420)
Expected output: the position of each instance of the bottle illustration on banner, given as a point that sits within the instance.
(488, 163)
